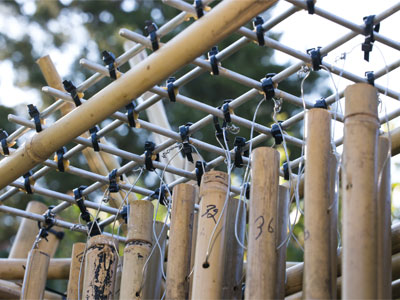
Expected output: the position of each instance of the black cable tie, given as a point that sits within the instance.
(71, 89)
(109, 59)
(61, 162)
(201, 166)
(34, 113)
(239, 143)
(247, 190)
(187, 148)
(161, 194)
(369, 30)
(151, 29)
(124, 213)
(94, 228)
(171, 89)
(285, 170)
(213, 60)
(257, 23)
(130, 113)
(267, 86)
(321, 103)
(316, 58)
(227, 111)
(149, 156)
(113, 185)
(218, 130)
(94, 138)
(49, 221)
(276, 133)
(4, 144)
(198, 5)
(370, 77)
(79, 199)
(27, 182)
(310, 7)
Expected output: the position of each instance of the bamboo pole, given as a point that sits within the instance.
(333, 219)
(317, 200)
(35, 275)
(193, 245)
(100, 266)
(118, 277)
(208, 271)
(359, 192)
(384, 220)
(261, 277)
(10, 290)
(137, 249)
(75, 282)
(395, 140)
(180, 239)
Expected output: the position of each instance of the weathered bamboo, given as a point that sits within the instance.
(11, 290)
(193, 246)
(262, 258)
(333, 218)
(180, 240)
(395, 140)
(137, 249)
(283, 218)
(35, 275)
(100, 266)
(208, 272)
(384, 220)
(75, 282)
(359, 192)
(317, 200)
(118, 277)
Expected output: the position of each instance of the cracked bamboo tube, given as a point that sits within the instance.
(317, 200)
(75, 282)
(361, 123)
(100, 267)
(208, 272)
(262, 256)
(180, 238)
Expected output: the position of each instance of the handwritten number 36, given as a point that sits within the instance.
(260, 220)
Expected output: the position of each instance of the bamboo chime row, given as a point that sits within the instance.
(204, 259)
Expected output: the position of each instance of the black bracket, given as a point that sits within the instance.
(27, 182)
(198, 5)
(247, 190)
(257, 23)
(151, 29)
(49, 221)
(370, 77)
(130, 113)
(321, 103)
(316, 58)
(286, 170)
(34, 113)
(187, 148)
(213, 60)
(310, 7)
(94, 138)
(149, 156)
(79, 199)
(71, 89)
(276, 132)
(239, 143)
(161, 194)
(4, 144)
(109, 59)
(61, 163)
(201, 167)
(267, 86)
(113, 184)
(369, 30)
(171, 89)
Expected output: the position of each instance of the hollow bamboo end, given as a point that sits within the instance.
(213, 180)
(361, 98)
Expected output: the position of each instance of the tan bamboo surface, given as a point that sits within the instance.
(333, 210)
(118, 277)
(359, 192)
(35, 275)
(261, 277)
(76, 275)
(10, 290)
(180, 241)
(395, 141)
(208, 273)
(100, 266)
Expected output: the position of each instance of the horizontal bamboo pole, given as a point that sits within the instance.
(11, 290)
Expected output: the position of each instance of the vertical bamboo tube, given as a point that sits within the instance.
(180, 239)
(207, 281)
(262, 256)
(137, 249)
(384, 220)
(333, 219)
(317, 199)
(75, 282)
(35, 275)
(118, 277)
(193, 247)
(359, 192)
(100, 266)
(283, 217)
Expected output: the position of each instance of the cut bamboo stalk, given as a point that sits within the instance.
(100, 267)
(208, 272)
(75, 282)
(359, 192)
(137, 249)
(11, 290)
(233, 260)
(384, 220)
(193, 246)
(317, 200)
(180, 240)
(35, 275)
(118, 277)
(333, 218)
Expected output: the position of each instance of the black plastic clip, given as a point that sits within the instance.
(94, 228)
(28, 182)
(124, 213)
(310, 7)
(370, 77)
(257, 23)
(247, 190)
(369, 30)
(151, 29)
(239, 143)
(286, 174)
(276, 132)
(79, 199)
(4, 144)
(171, 89)
(94, 138)
(316, 58)
(214, 60)
(161, 194)
(267, 86)
(321, 103)
(62, 164)
(34, 113)
(71, 89)
(149, 156)
(227, 111)
(113, 184)
(201, 167)
(109, 59)
(130, 113)
(198, 5)
(187, 148)
(49, 221)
